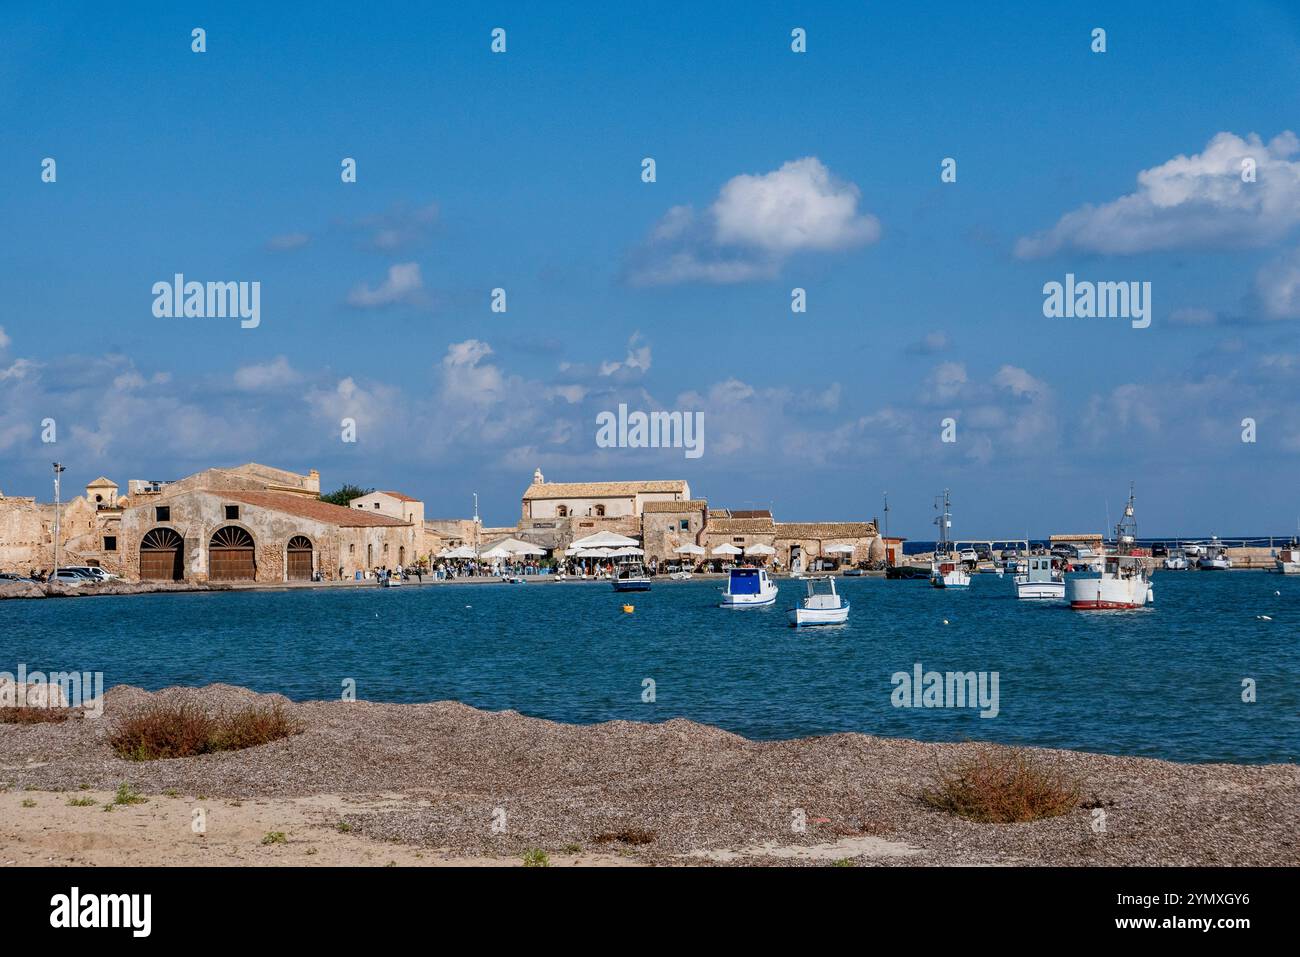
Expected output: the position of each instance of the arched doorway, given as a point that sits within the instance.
(230, 555)
(162, 555)
(299, 565)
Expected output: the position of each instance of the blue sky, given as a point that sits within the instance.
(522, 171)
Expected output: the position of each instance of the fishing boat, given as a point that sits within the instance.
(681, 576)
(945, 570)
(907, 573)
(821, 606)
(1176, 561)
(1042, 581)
(1125, 580)
(390, 581)
(1214, 557)
(748, 586)
(1288, 559)
(630, 576)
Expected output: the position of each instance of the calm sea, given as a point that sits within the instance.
(1164, 682)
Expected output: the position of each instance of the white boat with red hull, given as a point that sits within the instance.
(1125, 579)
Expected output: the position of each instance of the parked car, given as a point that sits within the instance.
(92, 572)
(11, 577)
(969, 555)
(68, 576)
(1159, 550)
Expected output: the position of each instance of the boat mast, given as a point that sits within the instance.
(944, 522)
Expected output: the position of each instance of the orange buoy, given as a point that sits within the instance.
(628, 609)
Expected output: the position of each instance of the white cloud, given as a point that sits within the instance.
(1278, 286)
(756, 223)
(402, 284)
(930, 343)
(797, 207)
(4, 339)
(1190, 202)
(266, 376)
(638, 358)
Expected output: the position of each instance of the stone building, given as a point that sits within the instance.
(809, 541)
(666, 526)
(554, 514)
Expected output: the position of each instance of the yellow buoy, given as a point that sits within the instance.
(628, 609)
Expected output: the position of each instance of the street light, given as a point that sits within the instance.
(58, 468)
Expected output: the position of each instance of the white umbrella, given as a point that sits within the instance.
(592, 553)
(604, 540)
(627, 550)
(463, 552)
(841, 549)
(530, 550)
(498, 552)
(726, 550)
(690, 549)
(760, 549)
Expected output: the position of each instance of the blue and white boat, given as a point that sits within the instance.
(747, 587)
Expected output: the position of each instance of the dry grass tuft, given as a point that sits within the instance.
(27, 714)
(163, 731)
(1003, 786)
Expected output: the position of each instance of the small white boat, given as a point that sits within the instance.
(945, 571)
(821, 606)
(1125, 580)
(747, 587)
(1042, 582)
(1288, 560)
(1214, 557)
(389, 581)
(681, 576)
(1176, 561)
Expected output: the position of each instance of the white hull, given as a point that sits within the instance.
(1288, 568)
(765, 597)
(1108, 593)
(1214, 564)
(1177, 564)
(954, 579)
(819, 616)
(1040, 591)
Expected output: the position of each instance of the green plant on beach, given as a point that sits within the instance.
(128, 795)
(28, 802)
(275, 837)
(343, 827)
(843, 862)
(999, 785)
(82, 802)
(536, 858)
(572, 849)
(163, 731)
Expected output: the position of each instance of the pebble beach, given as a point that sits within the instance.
(447, 783)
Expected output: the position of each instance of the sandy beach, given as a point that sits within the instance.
(427, 784)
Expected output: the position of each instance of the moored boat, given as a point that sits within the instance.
(1042, 581)
(945, 570)
(1214, 557)
(821, 605)
(748, 586)
(1125, 580)
(1176, 561)
(1288, 559)
(630, 576)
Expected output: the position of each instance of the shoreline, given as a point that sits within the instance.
(431, 780)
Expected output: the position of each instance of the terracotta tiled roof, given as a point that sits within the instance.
(307, 508)
(746, 513)
(740, 526)
(397, 495)
(825, 530)
(601, 489)
(690, 505)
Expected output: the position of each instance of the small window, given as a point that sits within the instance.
(738, 539)
(232, 513)
(684, 525)
(600, 511)
(562, 511)
(376, 505)
(385, 548)
(352, 549)
(163, 513)
(110, 543)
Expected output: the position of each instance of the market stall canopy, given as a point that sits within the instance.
(840, 549)
(691, 550)
(604, 540)
(726, 550)
(760, 549)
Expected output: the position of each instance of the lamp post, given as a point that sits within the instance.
(58, 468)
(886, 494)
